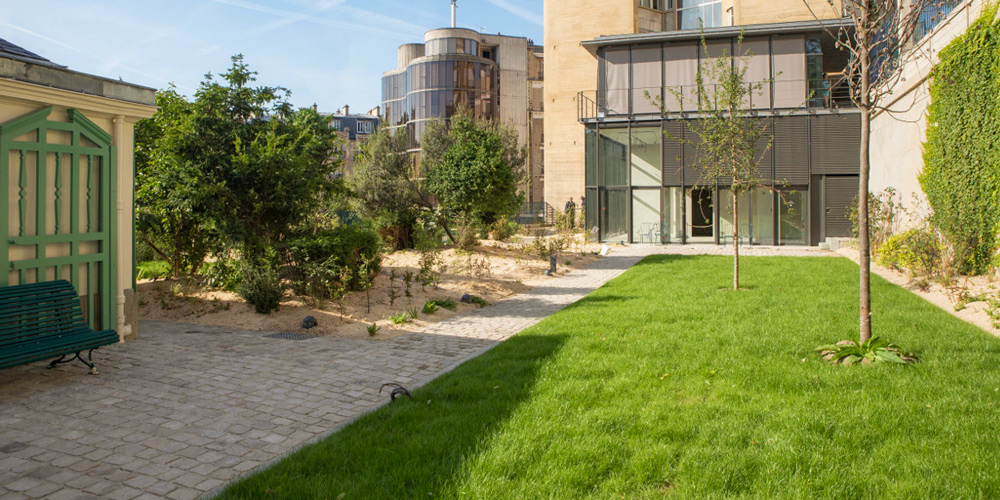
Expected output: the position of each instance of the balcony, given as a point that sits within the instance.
(784, 96)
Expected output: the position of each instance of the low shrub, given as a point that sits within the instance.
(504, 228)
(260, 285)
(918, 250)
(316, 260)
(152, 270)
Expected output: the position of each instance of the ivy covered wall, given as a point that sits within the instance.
(961, 175)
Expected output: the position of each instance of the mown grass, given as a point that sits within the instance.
(664, 383)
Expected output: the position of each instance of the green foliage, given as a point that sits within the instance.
(386, 190)
(479, 301)
(152, 270)
(235, 169)
(884, 211)
(478, 174)
(260, 285)
(412, 312)
(220, 273)
(504, 228)
(918, 250)
(444, 304)
(874, 350)
(323, 254)
(961, 175)
(373, 329)
(400, 318)
(430, 307)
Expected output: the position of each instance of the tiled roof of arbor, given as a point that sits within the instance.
(8, 49)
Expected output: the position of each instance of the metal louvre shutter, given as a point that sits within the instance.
(791, 149)
(764, 168)
(836, 143)
(692, 171)
(839, 194)
(672, 161)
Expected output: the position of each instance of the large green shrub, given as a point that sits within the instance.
(260, 285)
(961, 159)
(318, 258)
(916, 249)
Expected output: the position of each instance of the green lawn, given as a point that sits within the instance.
(664, 383)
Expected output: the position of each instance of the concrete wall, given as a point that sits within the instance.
(115, 117)
(899, 133)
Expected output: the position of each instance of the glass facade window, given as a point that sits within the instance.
(613, 157)
(443, 46)
(819, 87)
(756, 217)
(591, 145)
(646, 226)
(693, 14)
(647, 150)
(673, 215)
(933, 13)
(792, 216)
(614, 214)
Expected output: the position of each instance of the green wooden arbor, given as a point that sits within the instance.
(58, 189)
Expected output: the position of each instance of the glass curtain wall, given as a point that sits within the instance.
(613, 173)
(756, 217)
(693, 14)
(647, 177)
(792, 216)
(673, 215)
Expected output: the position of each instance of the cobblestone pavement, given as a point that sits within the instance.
(187, 408)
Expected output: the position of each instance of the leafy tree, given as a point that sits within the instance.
(731, 143)
(478, 174)
(385, 186)
(171, 196)
(238, 162)
(878, 45)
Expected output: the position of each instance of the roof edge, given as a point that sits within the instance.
(720, 32)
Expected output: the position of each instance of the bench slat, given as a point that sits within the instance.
(41, 321)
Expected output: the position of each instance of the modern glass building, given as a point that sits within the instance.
(435, 78)
(643, 181)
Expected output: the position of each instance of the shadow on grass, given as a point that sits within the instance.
(412, 448)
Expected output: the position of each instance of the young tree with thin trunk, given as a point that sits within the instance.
(731, 142)
(879, 42)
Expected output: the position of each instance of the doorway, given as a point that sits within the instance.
(701, 218)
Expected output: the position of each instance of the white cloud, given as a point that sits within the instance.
(528, 15)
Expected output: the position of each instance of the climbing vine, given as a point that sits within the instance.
(961, 174)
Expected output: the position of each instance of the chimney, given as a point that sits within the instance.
(347, 110)
(454, 13)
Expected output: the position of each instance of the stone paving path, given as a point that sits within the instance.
(185, 409)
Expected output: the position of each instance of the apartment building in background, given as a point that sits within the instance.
(496, 76)
(353, 130)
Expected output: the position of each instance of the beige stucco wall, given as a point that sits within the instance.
(899, 133)
(117, 118)
(782, 11)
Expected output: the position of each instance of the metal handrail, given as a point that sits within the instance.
(593, 105)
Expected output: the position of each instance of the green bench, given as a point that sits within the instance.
(44, 320)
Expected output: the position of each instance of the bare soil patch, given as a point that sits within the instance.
(493, 271)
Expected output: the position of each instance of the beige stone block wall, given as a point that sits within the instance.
(899, 133)
(569, 69)
(782, 11)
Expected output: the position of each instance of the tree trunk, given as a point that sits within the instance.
(736, 241)
(864, 245)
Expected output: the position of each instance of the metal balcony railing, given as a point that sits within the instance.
(783, 95)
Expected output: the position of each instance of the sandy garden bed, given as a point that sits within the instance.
(941, 296)
(494, 271)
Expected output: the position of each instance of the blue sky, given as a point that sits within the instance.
(327, 52)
